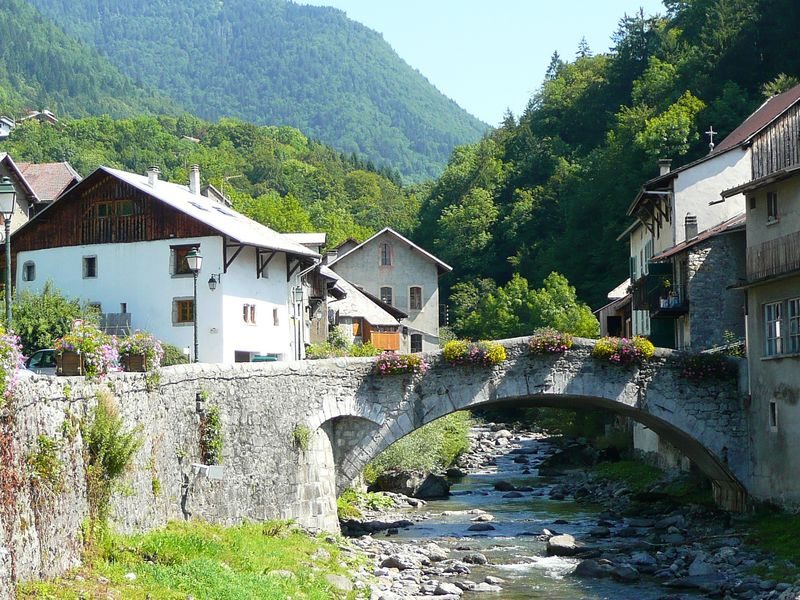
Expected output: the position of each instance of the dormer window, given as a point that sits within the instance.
(386, 255)
(772, 207)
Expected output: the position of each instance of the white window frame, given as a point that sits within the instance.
(772, 207)
(391, 294)
(773, 338)
(421, 296)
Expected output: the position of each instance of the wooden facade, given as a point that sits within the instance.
(778, 146)
(104, 210)
(774, 257)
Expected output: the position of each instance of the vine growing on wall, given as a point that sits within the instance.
(211, 436)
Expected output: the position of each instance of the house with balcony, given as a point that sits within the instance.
(687, 248)
(772, 289)
(402, 275)
(119, 241)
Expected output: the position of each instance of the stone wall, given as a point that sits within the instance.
(351, 415)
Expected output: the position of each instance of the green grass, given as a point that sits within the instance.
(205, 561)
(350, 503)
(777, 533)
(636, 475)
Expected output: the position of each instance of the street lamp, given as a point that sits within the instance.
(214, 280)
(194, 261)
(8, 198)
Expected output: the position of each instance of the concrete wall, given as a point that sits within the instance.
(409, 268)
(758, 230)
(776, 449)
(139, 275)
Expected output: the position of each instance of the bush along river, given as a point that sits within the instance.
(515, 527)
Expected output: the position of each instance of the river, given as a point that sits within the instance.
(515, 551)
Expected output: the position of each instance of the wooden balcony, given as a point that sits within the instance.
(774, 257)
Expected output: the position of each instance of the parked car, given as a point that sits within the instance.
(42, 362)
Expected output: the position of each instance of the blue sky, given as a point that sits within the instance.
(490, 55)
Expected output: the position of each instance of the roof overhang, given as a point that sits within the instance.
(761, 182)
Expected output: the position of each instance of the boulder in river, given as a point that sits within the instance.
(590, 568)
(504, 486)
(412, 483)
(475, 558)
(402, 562)
(563, 545)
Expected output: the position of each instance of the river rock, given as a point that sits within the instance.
(599, 532)
(456, 473)
(512, 495)
(562, 545)
(401, 562)
(435, 552)
(412, 483)
(494, 580)
(643, 558)
(504, 486)
(481, 527)
(486, 587)
(700, 567)
(503, 433)
(589, 568)
(447, 589)
(475, 558)
(339, 582)
(483, 518)
(625, 574)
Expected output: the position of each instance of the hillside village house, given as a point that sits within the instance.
(401, 274)
(365, 319)
(37, 186)
(773, 305)
(119, 240)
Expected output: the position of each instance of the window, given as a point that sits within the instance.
(633, 268)
(104, 209)
(182, 311)
(386, 255)
(648, 254)
(416, 342)
(773, 314)
(89, 267)
(772, 207)
(357, 328)
(752, 200)
(123, 307)
(794, 325)
(276, 320)
(29, 271)
(386, 295)
(125, 208)
(773, 415)
(178, 264)
(249, 313)
(415, 298)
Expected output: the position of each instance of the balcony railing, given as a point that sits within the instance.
(774, 257)
(657, 294)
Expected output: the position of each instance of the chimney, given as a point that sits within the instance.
(664, 165)
(194, 180)
(690, 224)
(152, 175)
(330, 256)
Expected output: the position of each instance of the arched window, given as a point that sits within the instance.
(386, 295)
(28, 271)
(416, 342)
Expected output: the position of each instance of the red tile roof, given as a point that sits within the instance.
(48, 180)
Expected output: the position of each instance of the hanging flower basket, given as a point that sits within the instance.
(134, 363)
(69, 362)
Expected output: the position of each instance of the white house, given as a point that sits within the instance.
(119, 240)
(401, 274)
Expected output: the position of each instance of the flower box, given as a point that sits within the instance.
(134, 363)
(69, 362)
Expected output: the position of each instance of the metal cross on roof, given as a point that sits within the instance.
(711, 133)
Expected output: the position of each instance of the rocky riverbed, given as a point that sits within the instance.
(509, 532)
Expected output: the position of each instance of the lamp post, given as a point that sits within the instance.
(194, 261)
(8, 197)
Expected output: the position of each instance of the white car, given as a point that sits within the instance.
(42, 362)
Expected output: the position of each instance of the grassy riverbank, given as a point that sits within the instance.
(262, 561)
(778, 533)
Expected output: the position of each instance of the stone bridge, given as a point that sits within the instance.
(345, 413)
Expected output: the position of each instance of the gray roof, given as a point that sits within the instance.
(356, 304)
(221, 218)
(308, 239)
(441, 265)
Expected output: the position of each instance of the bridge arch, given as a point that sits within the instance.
(704, 420)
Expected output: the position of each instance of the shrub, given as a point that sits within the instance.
(547, 340)
(109, 452)
(40, 319)
(211, 436)
(707, 366)
(301, 437)
(98, 349)
(623, 350)
(173, 355)
(11, 361)
(324, 350)
(45, 467)
(366, 349)
(461, 352)
(391, 363)
(142, 343)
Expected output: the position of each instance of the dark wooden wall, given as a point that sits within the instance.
(778, 146)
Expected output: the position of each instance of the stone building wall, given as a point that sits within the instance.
(715, 265)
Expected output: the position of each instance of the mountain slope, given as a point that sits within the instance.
(275, 62)
(41, 67)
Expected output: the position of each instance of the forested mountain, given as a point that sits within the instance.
(274, 62)
(548, 191)
(41, 67)
(273, 174)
